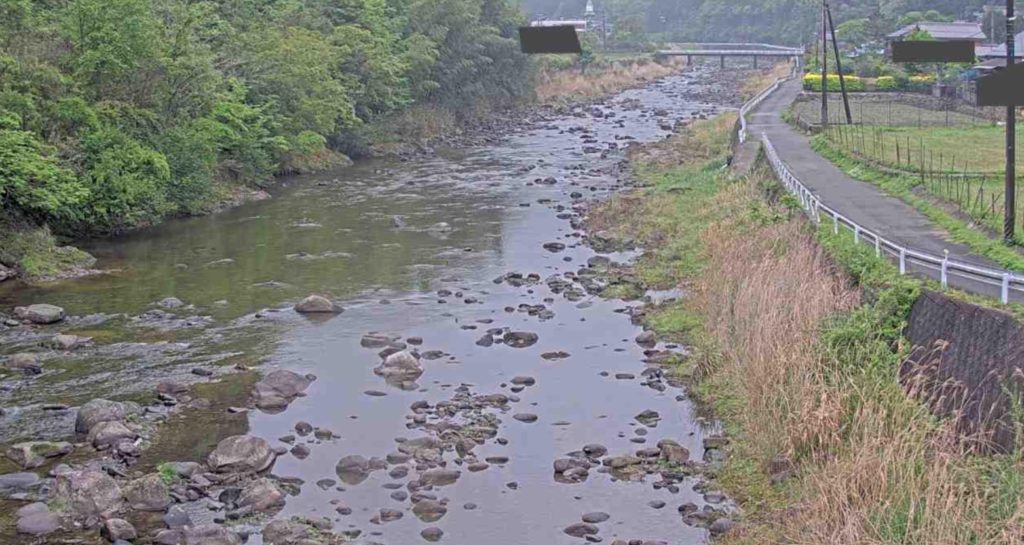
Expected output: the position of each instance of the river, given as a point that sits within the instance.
(411, 249)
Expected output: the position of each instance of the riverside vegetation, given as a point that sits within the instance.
(115, 115)
(797, 337)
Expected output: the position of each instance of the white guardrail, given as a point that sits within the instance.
(1006, 282)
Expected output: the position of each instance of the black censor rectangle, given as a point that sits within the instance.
(929, 51)
(1004, 87)
(552, 39)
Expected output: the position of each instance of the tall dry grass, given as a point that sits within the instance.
(872, 465)
(558, 84)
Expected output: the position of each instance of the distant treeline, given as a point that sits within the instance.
(792, 22)
(116, 113)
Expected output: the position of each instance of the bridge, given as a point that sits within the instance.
(724, 50)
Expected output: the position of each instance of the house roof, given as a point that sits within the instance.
(999, 51)
(959, 30)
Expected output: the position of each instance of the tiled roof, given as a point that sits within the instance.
(943, 31)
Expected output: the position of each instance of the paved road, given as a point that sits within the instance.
(862, 202)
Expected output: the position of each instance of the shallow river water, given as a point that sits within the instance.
(382, 238)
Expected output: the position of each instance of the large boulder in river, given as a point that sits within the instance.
(400, 366)
(102, 410)
(210, 534)
(109, 433)
(279, 388)
(40, 314)
(25, 362)
(36, 519)
(317, 304)
(88, 493)
(149, 493)
(241, 454)
(289, 532)
(33, 454)
(261, 496)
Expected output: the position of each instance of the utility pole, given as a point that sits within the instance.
(839, 66)
(1010, 198)
(824, 68)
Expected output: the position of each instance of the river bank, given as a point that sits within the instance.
(797, 344)
(32, 253)
(195, 339)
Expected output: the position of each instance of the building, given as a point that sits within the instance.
(998, 51)
(580, 25)
(943, 32)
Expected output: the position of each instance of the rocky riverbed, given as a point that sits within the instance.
(403, 351)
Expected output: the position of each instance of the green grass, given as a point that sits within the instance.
(885, 112)
(974, 149)
(902, 187)
(34, 252)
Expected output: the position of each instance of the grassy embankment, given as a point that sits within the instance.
(797, 341)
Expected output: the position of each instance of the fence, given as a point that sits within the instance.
(1005, 281)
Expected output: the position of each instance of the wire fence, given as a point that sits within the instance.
(953, 178)
(972, 277)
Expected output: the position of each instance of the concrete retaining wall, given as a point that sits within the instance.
(970, 359)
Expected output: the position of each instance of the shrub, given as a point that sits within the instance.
(812, 82)
(886, 83)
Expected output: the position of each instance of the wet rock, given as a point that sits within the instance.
(14, 483)
(289, 532)
(620, 462)
(88, 493)
(647, 338)
(440, 477)
(528, 418)
(41, 314)
(485, 341)
(656, 504)
(375, 340)
(648, 418)
(432, 534)
(33, 454)
(595, 450)
(596, 517)
(24, 362)
(279, 388)
(672, 452)
(389, 515)
(520, 339)
(7, 273)
(102, 410)
(581, 529)
(429, 510)
(400, 366)
(170, 303)
(300, 451)
(118, 529)
(555, 355)
(355, 469)
(261, 496)
(109, 433)
(303, 428)
(523, 381)
(317, 304)
(210, 534)
(148, 493)
(241, 454)
(554, 247)
(36, 519)
(721, 526)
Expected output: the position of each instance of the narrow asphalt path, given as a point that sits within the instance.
(862, 202)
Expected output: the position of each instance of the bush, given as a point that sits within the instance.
(921, 82)
(812, 82)
(886, 83)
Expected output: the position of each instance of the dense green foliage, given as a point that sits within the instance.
(775, 21)
(116, 113)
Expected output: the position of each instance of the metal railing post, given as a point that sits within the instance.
(856, 234)
(945, 269)
(878, 246)
(903, 261)
(1005, 295)
(835, 224)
